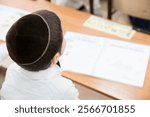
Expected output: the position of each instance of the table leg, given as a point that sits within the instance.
(109, 9)
(91, 2)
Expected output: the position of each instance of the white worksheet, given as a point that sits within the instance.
(106, 58)
(80, 53)
(110, 27)
(3, 52)
(8, 16)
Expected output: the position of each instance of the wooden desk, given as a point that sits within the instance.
(72, 20)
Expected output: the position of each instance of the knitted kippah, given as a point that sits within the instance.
(34, 40)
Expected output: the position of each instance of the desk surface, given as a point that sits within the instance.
(72, 20)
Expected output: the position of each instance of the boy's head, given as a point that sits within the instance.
(35, 40)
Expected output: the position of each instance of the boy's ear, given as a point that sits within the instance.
(55, 59)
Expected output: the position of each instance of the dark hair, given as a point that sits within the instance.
(34, 39)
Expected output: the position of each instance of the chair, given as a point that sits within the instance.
(135, 8)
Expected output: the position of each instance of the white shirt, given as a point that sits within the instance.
(43, 85)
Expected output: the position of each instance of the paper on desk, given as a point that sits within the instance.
(124, 62)
(5, 60)
(78, 55)
(3, 52)
(8, 17)
(110, 27)
(106, 58)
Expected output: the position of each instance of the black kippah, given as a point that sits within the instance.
(34, 40)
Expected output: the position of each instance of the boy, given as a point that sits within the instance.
(35, 43)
